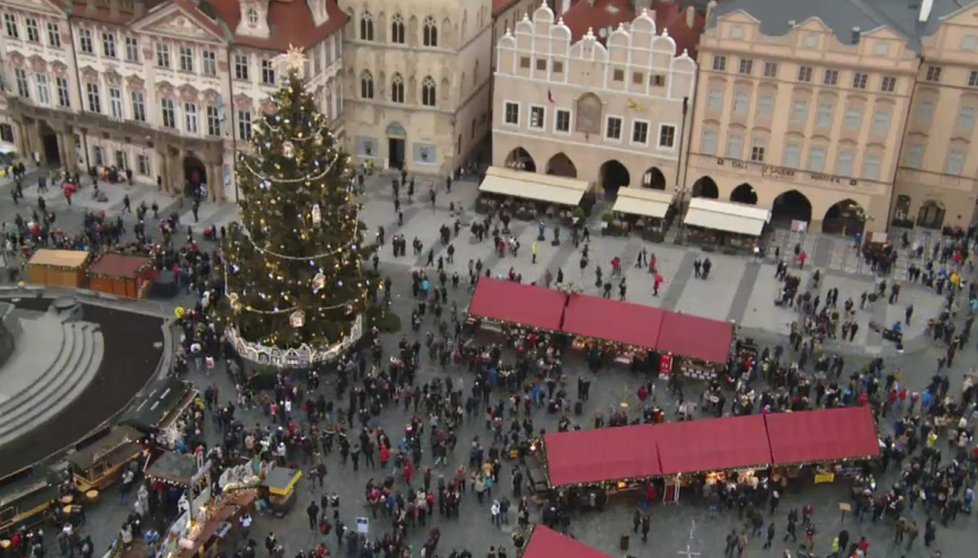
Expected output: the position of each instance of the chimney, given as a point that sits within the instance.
(114, 8)
(710, 8)
(856, 32)
(690, 17)
(791, 24)
(138, 8)
(925, 7)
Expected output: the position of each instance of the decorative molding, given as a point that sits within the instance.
(303, 357)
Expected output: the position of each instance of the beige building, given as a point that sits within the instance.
(418, 79)
(605, 105)
(166, 88)
(937, 178)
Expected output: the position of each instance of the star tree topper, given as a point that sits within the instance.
(292, 59)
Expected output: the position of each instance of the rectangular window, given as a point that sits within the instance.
(770, 69)
(714, 100)
(190, 118)
(799, 111)
(64, 98)
(915, 156)
(167, 110)
(746, 66)
(85, 41)
(831, 77)
(708, 143)
(613, 128)
(854, 118)
(955, 162)
(618, 75)
(142, 165)
(162, 55)
(138, 106)
(757, 150)
(966, 118)
(871, 166)
(859, 80)
(640, 132)
(99, 156)
(843, 163)
(23, 88)
(186, 59)
(209, 63)
(667, 136)
(816, 159)
(537, 117)
(541, 64)
(973, 78)
(241, 66)
(805, 74)
(94, 99)
(10, 26)
(888, 84)
(512, 115)
(765, 106)
(563, 121)
(925, 112)
(33, 35)
(557, 67)
(719, 62)
(638, 78)
(115, 103)
(657, 80)
(213, 122)
(244, 125)
(881, 122)
(735, 145)
(524, 62)
(132, 50)
(823, 118)
(934, 73)
(43, 93)
(791, 157)
(267, 72)
(108, 45)
(54, 35)
(741, 103)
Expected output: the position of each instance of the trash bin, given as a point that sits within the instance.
(623, 542)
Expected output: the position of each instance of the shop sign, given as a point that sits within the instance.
(785, 173)
(665, 365)
(822, 478)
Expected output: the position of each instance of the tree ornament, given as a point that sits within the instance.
(318, 141)
(235, 301)
(317, 214)
(288, 149)
(318, 282)
(297, 319)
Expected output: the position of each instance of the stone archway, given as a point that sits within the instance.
(791, 206)
(614, 175)
(844, 217)
(654, 179)
(520, 159)
(931, 215)
(561, 165)
(705, 187)
(745, 193)
(194, 173)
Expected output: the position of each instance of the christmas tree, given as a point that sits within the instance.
(293, 269)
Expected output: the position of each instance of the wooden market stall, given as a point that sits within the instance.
(733, 227)
(205, 534)
(279, 488)
(58, 268)
(122, 275)
(99, 463)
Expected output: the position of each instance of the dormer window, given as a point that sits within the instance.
(252, 17)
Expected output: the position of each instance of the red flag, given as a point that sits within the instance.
(550, 96)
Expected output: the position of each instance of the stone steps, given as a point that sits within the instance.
(77, 364)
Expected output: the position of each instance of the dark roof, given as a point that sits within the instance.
(289, 22)
(165, 398)
(120, 442)
(119, 265)
(842, 15)
(174, 467)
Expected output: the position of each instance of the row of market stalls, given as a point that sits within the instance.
(547, 543)
(726, 225)
(117, 274)
(696, 346)
(679, 451)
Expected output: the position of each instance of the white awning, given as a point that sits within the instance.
(533, 186)
(648, 203)
(726, 216)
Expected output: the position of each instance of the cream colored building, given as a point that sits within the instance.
(166, 88)
(611, 114)
(937, 179)
(418, 80)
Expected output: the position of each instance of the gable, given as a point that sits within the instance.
(967, 16)
(47, 7)
(738, 16)
(173, 20)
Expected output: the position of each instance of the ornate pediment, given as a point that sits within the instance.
(174, 21)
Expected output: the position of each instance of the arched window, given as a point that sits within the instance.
(430, 32)
(366, 85)
(366, 26)
(397, 29)
(252, 17)
(428, 92)
(397, 89)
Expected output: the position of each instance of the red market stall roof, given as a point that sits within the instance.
(547, 543)
(509, 301)
(602, 454)
(823, 435)
(695, 337)
(712, 444)
(120, 265)
(621, 322)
